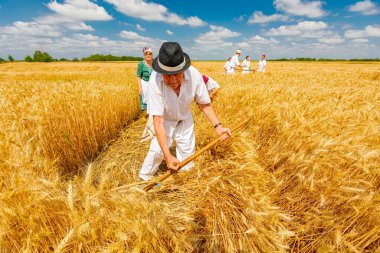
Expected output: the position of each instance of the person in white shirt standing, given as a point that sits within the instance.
(227, 66)
(174, 84)
(234, 62)
(246, 65)
(262, 64)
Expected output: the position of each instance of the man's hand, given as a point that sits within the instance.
(220, 131)
(172, 162)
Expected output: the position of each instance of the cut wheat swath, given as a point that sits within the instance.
(192, 157)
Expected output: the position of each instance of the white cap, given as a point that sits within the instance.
(238, 51)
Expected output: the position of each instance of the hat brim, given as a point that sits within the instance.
(157, 68)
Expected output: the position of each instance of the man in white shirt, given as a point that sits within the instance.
(246, 65)
(262, 64)
(234, 62)
(174, 84)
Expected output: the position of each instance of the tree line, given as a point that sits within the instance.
(39, 56)
(10, 58)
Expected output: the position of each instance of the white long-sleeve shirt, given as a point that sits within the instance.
(234, 61)
(227, 67)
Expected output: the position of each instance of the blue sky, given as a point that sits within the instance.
(205, 29)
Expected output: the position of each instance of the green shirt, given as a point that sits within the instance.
(143, 71)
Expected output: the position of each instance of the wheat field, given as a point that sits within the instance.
(302, 176)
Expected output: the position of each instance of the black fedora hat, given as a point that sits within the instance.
(171, 59)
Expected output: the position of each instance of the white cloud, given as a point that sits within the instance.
(169, 32)
(283, 31)
(336, 39)
(257, 43)
(18, 44)
(140, 28)
(259, 18)
(360, 41)
(69, 15)
(33, 29)
(317, 34)
(311, 9)
(153, 12)
(79, 10)
(240, 19)
(91, 43)
(306, 29)
(75, 45)
(216, 36)
(273, 40)
(130, 35)
(215, 40)
(346, 26)
(54, 19)
(260, 40)
(243, 44)
(311, 25)
(369, 31)
(134, 37)
(80, 45)
(79, 27)
(61, 22)
(366, 7)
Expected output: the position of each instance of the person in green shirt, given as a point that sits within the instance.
(144, 69)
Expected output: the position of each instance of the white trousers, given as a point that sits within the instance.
(185, 146)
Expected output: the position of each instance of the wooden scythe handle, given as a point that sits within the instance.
(192, 157)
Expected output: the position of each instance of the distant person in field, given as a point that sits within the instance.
(262, 64)
(173, 86)
(227, 66)
(212, 86)
(144, 69)
(246, 65)
(234, 62)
